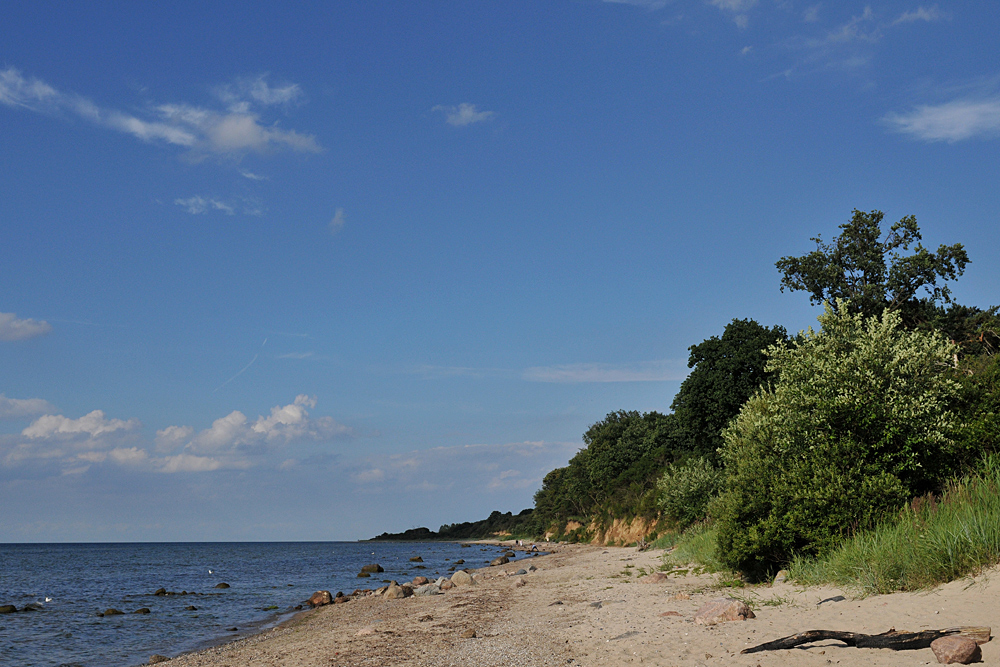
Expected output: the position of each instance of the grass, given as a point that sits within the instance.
(933, 541)
(695, 545)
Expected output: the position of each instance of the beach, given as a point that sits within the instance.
(586, 605)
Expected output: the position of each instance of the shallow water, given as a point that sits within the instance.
(73, 582)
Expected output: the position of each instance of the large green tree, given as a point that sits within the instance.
(726, 371)
(870, 272)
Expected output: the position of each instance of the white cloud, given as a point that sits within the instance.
(928, 14)
(206, 131)
(14, 328)
(198, 204)
(337, 223)
(252, 176)
(260, 91)
(65, 442)
(737, 8)
(296, 355)
(91, 425)
(951, 121)
(648, 371)
(231, 439)
(18, 408)
(464, 114)
(191, 463)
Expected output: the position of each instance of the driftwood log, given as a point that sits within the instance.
(897, 641)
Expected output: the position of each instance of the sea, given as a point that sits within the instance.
(70, 584)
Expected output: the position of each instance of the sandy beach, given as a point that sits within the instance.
(586, 605)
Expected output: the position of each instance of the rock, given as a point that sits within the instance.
(416, 559)
(510, 554)
(113, 612)
(232, 629)
(427, 589)
(7, 609)
(469, 634)
(394, 592)
(671, 613)
(681, 596)
(446, 585)
(372, 568)
(32, 606)
(222, 585)
(419, 567)
(364, 574)
(190, 607)
(320, 598)
(780, 578)
(341, 599)
(954, 649)
(654, 578)
(419, 581)
(451, 569)
(722, 610)
(141, 610)
(364, 632)
(532, 568)
(156, 657)
(460, 561)
(521, 571)
(502, 560)
(160, 591)
(462, 578)
(425, 618)
(519, 582)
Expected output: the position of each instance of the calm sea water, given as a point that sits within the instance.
(72, 582)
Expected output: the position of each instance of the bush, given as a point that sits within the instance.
(859, 423)
(686, 489)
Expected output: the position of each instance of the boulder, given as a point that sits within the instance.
(364, 574)
(521, 571)
(780, 578)
(419, 581)
(32, 606)
(427, 589)
(320, 598)
(460, 561)
(113, 612)
(722, 610)
(7, 609)
(190, 607)
(519, 582)
(956, 649)
(532, 568)
(416, 559)
(222, 585)
(446, 585)
(654, 578)
(156, 657)
(502, 560)
(510, 554)
(396, 592)
(372, 568)
(462, 578)
(141, 610)
(341, 598)
(160, 591)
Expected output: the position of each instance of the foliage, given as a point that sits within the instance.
(686, 489)
(931, 541)
(727, 370)
(854, 267)
(698, 545)
(497, 523)
(860, 421)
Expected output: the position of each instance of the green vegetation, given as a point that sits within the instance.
(931, 541)
(516, 525)
(810, 451)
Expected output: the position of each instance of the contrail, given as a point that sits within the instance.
(241, 370)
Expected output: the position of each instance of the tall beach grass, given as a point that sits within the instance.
(933, 541)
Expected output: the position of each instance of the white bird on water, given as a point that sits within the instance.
(210, 572)
(48, 599)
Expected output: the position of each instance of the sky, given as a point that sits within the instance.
(315, 271)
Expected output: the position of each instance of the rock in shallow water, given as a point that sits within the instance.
(222, 585)
(156, 657)
(320, 598)
(7, 609)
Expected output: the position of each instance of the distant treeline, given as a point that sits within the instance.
(496, 523)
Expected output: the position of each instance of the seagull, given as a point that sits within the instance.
(48, 599)
(210, 572)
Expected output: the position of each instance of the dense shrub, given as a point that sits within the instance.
(859, 423)
(686, 489)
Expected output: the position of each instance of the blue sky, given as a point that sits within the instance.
(321, 271)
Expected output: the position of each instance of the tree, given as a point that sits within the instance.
(726, 372)
(861, 420)
(870, 273)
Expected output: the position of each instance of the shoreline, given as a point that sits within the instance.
(586, 605)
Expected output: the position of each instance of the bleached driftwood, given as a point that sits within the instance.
(897, 641)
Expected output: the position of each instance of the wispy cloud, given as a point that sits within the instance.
(952, 121)
(296, 355)
(233, 132)
(14, 328)
(19, 408)
(647, 371)
(337, 223)
(811, 14)
(252, 176)
(197, 205)
(464, 114)
(737, 9)
(927, 14)
(648, 4)
(239, 93)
